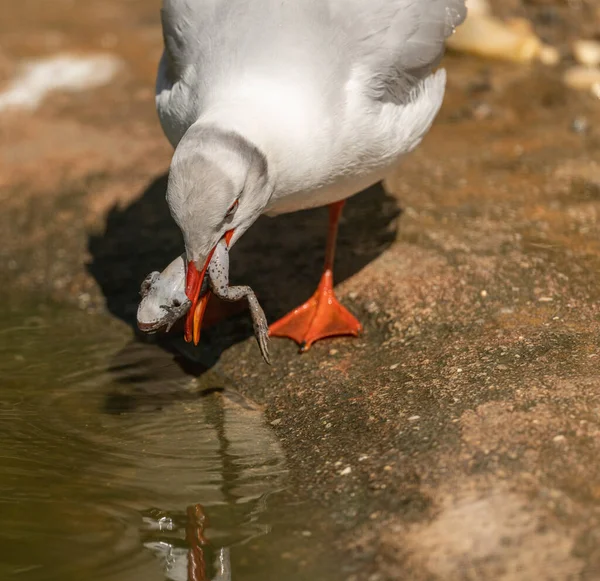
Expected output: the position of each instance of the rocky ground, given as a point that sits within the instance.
(458, 438)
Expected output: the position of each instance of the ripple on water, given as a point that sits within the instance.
(83, 486)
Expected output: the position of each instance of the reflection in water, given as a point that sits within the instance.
(241, 460)
(175, 485)
(191, 547)
(190, 564)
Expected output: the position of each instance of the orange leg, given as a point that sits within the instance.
(322, 315)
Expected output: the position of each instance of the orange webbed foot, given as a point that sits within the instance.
(320, 317)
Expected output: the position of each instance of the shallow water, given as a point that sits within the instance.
(116, 465)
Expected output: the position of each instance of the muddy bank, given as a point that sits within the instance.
(458, 438)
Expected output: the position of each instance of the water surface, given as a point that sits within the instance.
(117, 465)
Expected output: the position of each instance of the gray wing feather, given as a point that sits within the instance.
(399, 42)
(179, 34)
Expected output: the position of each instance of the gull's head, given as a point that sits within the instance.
(218, 186)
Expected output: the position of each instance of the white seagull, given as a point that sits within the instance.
(275, 106)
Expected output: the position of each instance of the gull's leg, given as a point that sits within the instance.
(218, 272)
(322, 315)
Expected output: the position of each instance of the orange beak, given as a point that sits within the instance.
(193, 285)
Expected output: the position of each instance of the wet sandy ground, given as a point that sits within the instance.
(459, 438)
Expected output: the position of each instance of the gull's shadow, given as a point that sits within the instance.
(280, 258)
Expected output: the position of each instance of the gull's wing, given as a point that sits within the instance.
(397, 42)
(392, 44)
(180, 21)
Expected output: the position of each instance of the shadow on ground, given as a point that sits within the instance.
(280, 258)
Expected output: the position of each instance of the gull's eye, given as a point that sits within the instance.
(232, 209)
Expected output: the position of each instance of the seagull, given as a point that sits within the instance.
(276, 106)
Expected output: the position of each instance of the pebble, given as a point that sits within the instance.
(346, 471)
(487, 36)
(580, 125)
(587, 52)
(414, 418)
(84, 300)
(583, 78)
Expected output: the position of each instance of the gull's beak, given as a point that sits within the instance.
(193, 285)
